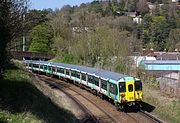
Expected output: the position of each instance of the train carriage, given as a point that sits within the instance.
(122, 89)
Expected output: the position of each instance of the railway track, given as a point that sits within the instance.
(157, 120)
(88, 117)
(73, 94)
(108, 114)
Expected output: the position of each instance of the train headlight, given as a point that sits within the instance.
(123, 95)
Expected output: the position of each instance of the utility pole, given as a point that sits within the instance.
(178, 79)
(24, 34)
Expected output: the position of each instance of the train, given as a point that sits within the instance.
(122, 89)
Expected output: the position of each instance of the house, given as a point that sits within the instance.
(137, 20)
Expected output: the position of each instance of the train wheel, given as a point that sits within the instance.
(94, 92)
(138, 107)
(122, 108)
(101, 96)
(117, 106)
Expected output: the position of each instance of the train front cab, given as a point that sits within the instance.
(130, 92)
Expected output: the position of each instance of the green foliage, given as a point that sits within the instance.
(36, 17)
(4, 35)
(69, 59)
(66, 58)
(10, 27)
(169, 110)
(96, 7)
(96, 36)
(132, 5)
(22, 102)
(156, 31)
(121, 68)
(159, 32)
(174, 39)
(142, 7)
(41, 37)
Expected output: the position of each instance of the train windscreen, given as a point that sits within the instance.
(138, 85)
(122, 87)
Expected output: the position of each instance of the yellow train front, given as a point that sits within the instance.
(130, 92)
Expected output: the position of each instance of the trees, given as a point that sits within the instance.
(173, 40)
(142, 7)
(41, 37)
(159, 32)
(4, 34)
(11, 27)
(131, 5)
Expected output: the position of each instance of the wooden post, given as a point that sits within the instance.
(178, 79)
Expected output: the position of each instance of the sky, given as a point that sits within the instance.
(41, 4)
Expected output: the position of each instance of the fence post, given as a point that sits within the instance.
(178, 79)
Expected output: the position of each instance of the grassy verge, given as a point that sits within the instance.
(166, 108)
(21, 102)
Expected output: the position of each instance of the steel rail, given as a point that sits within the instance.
(90, 117)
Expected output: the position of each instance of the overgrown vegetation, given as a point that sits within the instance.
(166, 108)
(102, 34)
(99, 34)
(21, 102)
(12, 28)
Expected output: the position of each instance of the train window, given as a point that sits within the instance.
(96, 81)
(49, 68)
(130, 88)
(67, 72)
(35, 66)
(113, 89)
(122, 87)
(45, 67)
(78, 75)
(90, 79)
(41, 66)
(73, 73)
(138, 85)
(104, 84)
(54, 69)
(83, 76)
(60, 70)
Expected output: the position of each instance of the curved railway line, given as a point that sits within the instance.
(81, 100)
(97, 110)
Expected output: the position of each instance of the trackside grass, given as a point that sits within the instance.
(166, 108)
(21, 102)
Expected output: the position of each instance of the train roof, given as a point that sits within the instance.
(93, 71)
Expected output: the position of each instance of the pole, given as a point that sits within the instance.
(178, 79)
(24, 35)
(24, 38)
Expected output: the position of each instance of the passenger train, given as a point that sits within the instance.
(121, 89)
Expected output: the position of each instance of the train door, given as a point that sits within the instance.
(50, 70)
(138, 90)
(130, 91)
(45, 68)
(113, 90)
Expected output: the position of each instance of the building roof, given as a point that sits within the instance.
(162, 62)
